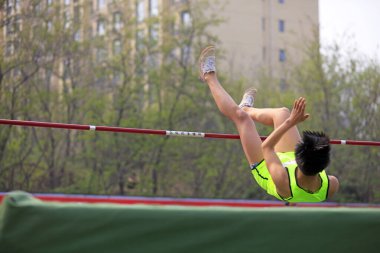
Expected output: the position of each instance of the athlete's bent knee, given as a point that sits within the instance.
(241, 115)
(284, 111)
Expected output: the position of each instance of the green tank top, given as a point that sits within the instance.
(262, 176)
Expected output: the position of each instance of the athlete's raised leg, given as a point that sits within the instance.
(249, 137)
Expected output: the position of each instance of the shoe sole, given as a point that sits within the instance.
(251, 91)
(203, 53)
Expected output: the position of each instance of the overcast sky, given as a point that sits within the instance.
(359, 19)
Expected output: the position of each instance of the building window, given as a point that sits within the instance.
(186, 18)
(116, 77)
(9, 28)
(152, 60)
(66, 19)
(263, 24)
(281, 25)
(49, 26)
(140, 14)
(91, 7)
(185, 53)
(116, 47)
(140, 40)
(17, 24)
(9, 49)
(16, 45)
(117, 22)
(101, 55)
(66, 68)
(9, 7)
(281, 1)
(101, 4)
(179, 1)
(37, 7)
(12, 5)
(154, 31)
(282, 55)
(77, 35)
(77, 14)
(153, 7)
(17, 5)
(48, 75)
(101, 27)
(172, 28)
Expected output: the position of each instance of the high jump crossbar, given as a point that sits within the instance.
(155, 132)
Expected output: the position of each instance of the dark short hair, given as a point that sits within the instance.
(313, 152)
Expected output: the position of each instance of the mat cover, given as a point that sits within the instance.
(31, 225)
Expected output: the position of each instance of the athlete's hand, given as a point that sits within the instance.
(298, 112)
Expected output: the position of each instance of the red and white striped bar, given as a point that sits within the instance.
(155, 132)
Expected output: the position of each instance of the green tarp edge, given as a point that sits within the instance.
(30, 225)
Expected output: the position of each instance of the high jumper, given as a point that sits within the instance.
(286, 165)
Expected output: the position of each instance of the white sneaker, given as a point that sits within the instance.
(248, 99)
(207, 62)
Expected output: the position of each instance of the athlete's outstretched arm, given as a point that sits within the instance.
(277, 171)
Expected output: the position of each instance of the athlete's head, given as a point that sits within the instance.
(313, 152)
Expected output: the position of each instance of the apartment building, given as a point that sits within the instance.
(256, 35)
(266, 35)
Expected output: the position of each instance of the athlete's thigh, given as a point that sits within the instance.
(250, 140)
(290, 139)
